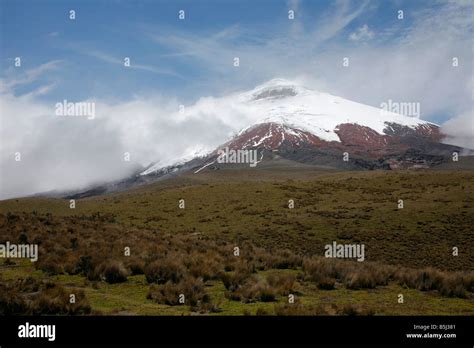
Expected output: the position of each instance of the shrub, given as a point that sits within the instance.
(208, 307)
(261, 312)
(28, 284)
(136, 266)
(284, 259)
(234, 281)
(468, 281)
(23, 238)
(11, 301)
(85, 265)
(113, 272)
(50, 264)
(407, 278)
(56, 300)
(284, 284)
(325, 272)
(262, 292)
(164, 270)
(352, 310)
(321, 268)
(326, 284)
(170, 292)
(320, 271)
(429, 279)
(203, 266)
(253, 289)
(294, 309)
(453, 286)
(361, 279)
(455, 290)
(31, 297)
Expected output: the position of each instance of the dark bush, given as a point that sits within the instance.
(361, 279)
(164, 270)
(284, 284)
(32, 297)
(326, 284)
(11, 301)
(85, 265)
(261, 312)
(56, 300)
(170, 292)
(113, 272)
(136, 266)
(253, 289)
(23, 238)
(50, 263)
(283, 260)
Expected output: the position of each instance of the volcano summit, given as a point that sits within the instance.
(303, 125)
(288, 124)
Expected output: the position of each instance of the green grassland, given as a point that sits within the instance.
(245, 206)
(360, 207)
(129, 298)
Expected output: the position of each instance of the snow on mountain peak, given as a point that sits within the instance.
(293, 106)
(288, 103)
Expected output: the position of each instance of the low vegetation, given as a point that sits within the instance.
(161, 260)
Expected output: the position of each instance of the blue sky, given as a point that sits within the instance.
(189, 62)
(103, 31)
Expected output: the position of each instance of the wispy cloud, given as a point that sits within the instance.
(338, 18)
(398, 63)
(216, 50)
(362, 34)
(16, 77)
(108, 58)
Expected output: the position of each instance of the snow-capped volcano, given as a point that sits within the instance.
(283, 115)
(283, 102)
(286, 124)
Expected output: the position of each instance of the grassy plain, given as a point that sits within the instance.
(229, 208)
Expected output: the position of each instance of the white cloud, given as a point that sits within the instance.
(460, 130)
(61, 153)
(362, 34)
